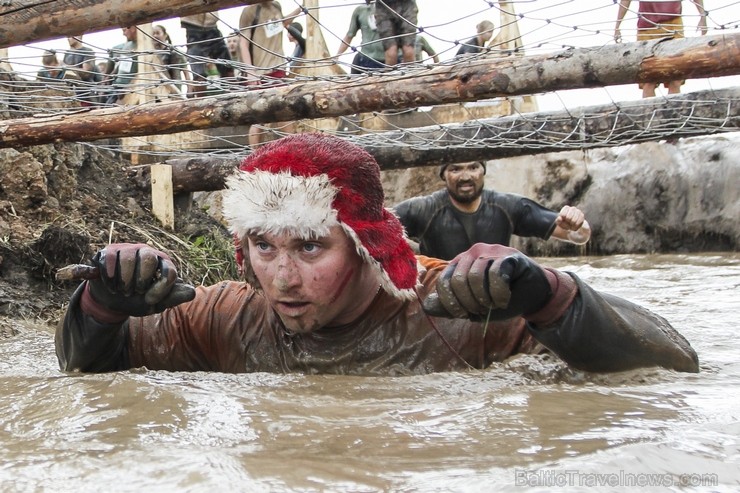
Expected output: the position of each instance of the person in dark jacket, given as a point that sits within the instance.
(173, 62)
(484, 33)
(332, 286)
(449, 221)
(123, 66)
(295, 36)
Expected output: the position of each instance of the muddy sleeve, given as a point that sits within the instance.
(600, 332)
(202, 335)
(86, 345)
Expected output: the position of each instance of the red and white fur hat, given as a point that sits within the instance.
(306, 183)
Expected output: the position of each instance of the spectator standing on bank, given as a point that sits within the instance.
(295, 36)
(261, 29)
(205, 43)
(484, 33)
(371, 54)
(232, 43)
(659, 20)
(397, 21)
(462, 214)
(172, 61)
(122, 66)
(81, 59)
(51, 68)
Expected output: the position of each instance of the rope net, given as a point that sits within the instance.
(35, 81)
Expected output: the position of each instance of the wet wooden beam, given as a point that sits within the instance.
(26, 21)
(682, 115)
(697, 57)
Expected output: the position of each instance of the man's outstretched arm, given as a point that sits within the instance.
(130, 280)
(589, 330)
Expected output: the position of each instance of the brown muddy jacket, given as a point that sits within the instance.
(230, 327)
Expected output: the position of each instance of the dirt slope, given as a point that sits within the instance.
(58, 205)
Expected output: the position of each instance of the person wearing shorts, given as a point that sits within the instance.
(261, 28)
(396, 20)
(205, 43)
(659, 20)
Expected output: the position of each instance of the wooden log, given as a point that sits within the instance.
(684, 115)
(25, 21)
(197, 174)
(469, 81)
(680, 115)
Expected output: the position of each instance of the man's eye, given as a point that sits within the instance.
(262, 245)
(310, 247)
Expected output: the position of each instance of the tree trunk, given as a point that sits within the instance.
(681, 115)
(40, 21)
(469, 81)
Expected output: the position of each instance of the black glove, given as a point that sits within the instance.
(137, 280)
(489, 281)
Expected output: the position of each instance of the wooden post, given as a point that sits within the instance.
(509, 40)
(4, 64)
(163, 204)
(316, 51)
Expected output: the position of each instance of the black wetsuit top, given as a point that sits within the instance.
(443, 231)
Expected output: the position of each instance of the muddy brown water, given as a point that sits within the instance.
(530, 424)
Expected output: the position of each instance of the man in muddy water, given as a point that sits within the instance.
(332, 286)
(450, 221)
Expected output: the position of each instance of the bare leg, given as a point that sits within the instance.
(254, 136)
(409, 54)
(263, 133)
(391, 55)
(648, 90)
(674, 87)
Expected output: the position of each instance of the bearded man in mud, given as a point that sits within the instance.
(450, 221)
(332, 286)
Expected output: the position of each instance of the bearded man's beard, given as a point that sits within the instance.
(468, 197)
